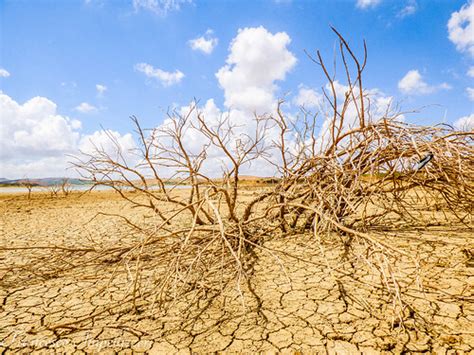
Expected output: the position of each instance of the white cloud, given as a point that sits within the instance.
(101, 89)
(408, 10)
(4, 73)
(166, 78)
(470, 93)
(376, 104)
(35, 134)
(244, 126)
(205, 44)
(61, 164)
(364, 4)
(461, 28)
(465, 123)
(256, 60)
(109, 141)
(470, 72)
(40, 167)
(85, 107)
(308, 98)
(413, 84)
(38, 142)
(248, 81)
(159, 7)
(69, 85)
(119, 147)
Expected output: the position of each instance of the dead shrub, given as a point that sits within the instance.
(346, 182)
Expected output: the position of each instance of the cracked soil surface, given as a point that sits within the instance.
(305, 306)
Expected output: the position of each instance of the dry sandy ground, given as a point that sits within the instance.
(306, 307)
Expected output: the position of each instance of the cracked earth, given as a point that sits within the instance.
(308, 305)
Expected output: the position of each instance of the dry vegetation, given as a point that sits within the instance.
(349, 224)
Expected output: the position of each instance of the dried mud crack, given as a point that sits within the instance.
(307, 306)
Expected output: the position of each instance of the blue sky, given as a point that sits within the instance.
(60, 51)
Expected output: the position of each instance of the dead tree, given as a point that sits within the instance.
(66, 187)
(54, 190)
(27, 184)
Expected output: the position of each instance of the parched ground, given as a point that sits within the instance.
(310, 299)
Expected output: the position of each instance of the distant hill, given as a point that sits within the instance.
(244, 180)
(43, 181)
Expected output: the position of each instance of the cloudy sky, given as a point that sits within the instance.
(70, 69)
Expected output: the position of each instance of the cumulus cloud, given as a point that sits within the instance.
(364, 4)
(194, 140)
(4, 73)
(35, 131)
(256, 60)
(101, 89)
(109, 141)
(205, 43)
(44, 167)
(465, 123)
(376, 103)
(164, 77)
(85, 107)
(413, 84)
(308, 98)
(39, 142)
(461, 28)
(470, 72)
(248, 77)
(470, 93)
(159, 7)
(60, 165)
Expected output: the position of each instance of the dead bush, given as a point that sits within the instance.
(345, 182)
